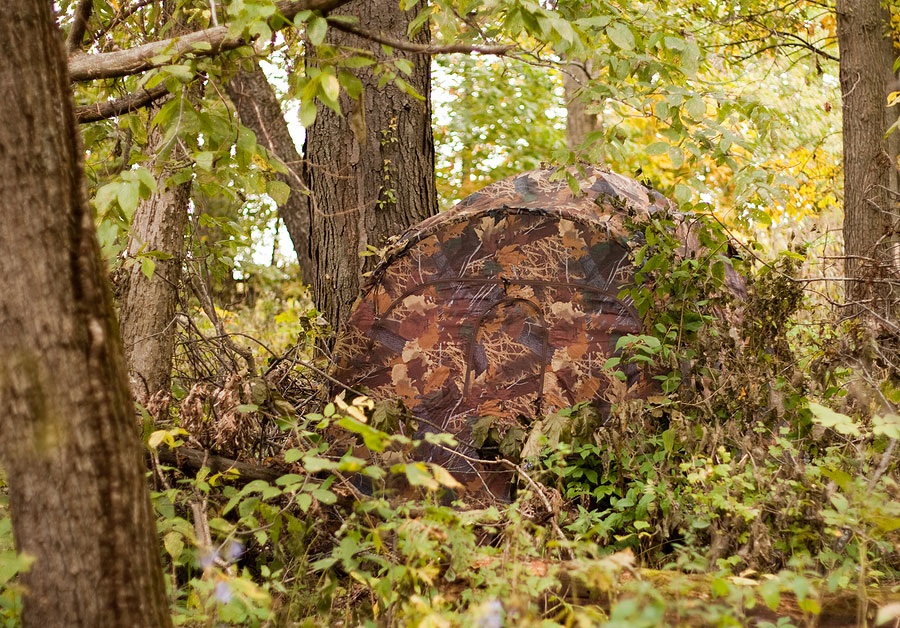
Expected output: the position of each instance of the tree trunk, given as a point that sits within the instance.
(148, 304)
(78, 495)
(260, 112)
(369, 188)
(870, 160)
(578, 121)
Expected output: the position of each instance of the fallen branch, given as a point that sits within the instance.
(119, 106)
(194, 460)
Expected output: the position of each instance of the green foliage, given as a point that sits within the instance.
(12, 565)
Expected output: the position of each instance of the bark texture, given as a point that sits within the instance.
(148, 304)
(870, 159)
(367, 188)
(78, 496)
(578, 121)
(260, 112)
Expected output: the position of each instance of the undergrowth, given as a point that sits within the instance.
(751, 480)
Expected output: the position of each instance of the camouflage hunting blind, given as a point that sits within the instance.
(505, 306)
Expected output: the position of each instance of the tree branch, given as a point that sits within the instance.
(119, 106)
(79, 25)
(424, 49)
(205, 43)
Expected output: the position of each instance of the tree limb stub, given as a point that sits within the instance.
(205, 43)
(426, 49)
(119, 106)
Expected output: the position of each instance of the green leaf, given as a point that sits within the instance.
(657, 148)
(331, 86)
(204, 160)
(148, 182)
(292, 455)
(324, 496)
(835, 420)
(682, 193)
(289, 478)
(308, 113)
(174, 544)
(674, 43)
(690, 58)
(359, 62)
(696, 107)
(404, 66)
(183, 73)
(676, 156)
(148, 267)
(316, 29)
(128, 196)
(314, 464)
(620, 35)
(322, 564)
(668, 438)
(840, 502)
(245, 408)
(352, 85)
(278, 191)
(417, 475)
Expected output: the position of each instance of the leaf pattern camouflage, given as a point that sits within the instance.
(504, 306)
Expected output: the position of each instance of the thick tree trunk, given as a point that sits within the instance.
(78, 495)
(870, 160)
(148, 304)
(578, 121)
(369, 188)
(260, 112)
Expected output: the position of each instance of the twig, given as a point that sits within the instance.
(423, 49)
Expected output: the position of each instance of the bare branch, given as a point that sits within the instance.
(424, 49)
(79, 25)
(205, 43)
(119, 106)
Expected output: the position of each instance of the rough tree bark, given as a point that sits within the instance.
(148, 304)
(260, 112)
(870, 160)
(365, 189)
(578, 121)
(78, 495)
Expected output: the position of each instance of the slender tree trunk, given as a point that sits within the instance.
(148, 303)
(579, 123)
(78, 495)
(260, 112)
(870, 159)
(367, 188)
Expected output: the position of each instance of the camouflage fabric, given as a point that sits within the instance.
(504, 306)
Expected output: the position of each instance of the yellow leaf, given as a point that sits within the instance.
(156, 438)
(444, 477)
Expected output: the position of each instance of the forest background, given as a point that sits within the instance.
(168, 245)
